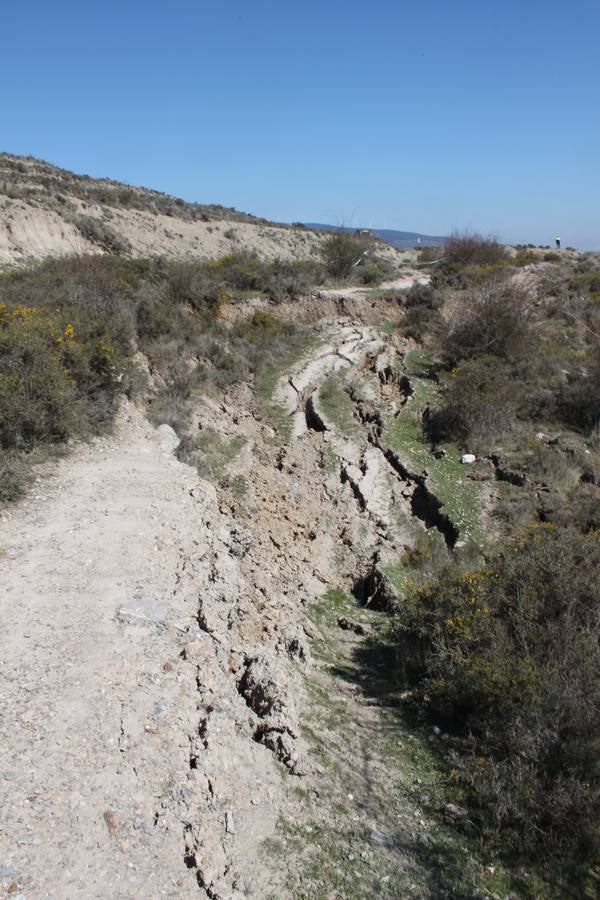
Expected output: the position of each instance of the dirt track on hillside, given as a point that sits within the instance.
(156, 641)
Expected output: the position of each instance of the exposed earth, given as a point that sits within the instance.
(46, 211)
(170, 724)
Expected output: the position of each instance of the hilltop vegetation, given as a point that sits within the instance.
(27, 178)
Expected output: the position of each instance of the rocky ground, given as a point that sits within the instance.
(185, 709)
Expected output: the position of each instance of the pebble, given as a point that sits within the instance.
(383, 840)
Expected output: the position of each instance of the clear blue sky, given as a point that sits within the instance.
(422, 115)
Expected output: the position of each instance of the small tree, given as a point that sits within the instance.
(471, 249)
(495, 320)
(340, 252)
(480, 401)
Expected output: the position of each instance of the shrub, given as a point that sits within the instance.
(578, 401)
(494, 320)
(54, 367)
(480, 400)
(424, 296)
(422, 317)
(429, 254)
(259, 327)
(586, 282)
(524, 257)
(470, 249)
(371, 274)
(37, 395)
(68, 328)
(340, 252)
(509, 656)
(101, 233)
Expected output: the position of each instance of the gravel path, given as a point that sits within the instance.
(96, 706)
(156, 639)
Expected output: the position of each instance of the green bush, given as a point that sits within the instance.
(496, 320)
(586, 282)
(371, 274)
(340, 252)
(479, 403)
(98, 232)
(422, 319)
(69, 327)
(466, 248)
(578, 401)
(58, 373)
(424, 296)
(508, 657)
(525, 257)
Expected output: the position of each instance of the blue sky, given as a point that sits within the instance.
(423, 116)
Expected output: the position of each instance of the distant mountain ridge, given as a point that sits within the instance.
(401, 239)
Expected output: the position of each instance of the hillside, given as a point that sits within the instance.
(47, 211)
(299, 570)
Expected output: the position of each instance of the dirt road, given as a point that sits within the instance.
(156, 642)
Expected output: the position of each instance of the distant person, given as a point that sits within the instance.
(557, 239)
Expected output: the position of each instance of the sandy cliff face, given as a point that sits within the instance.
(46, 211)
(29, 230)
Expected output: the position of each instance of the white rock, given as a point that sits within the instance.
(468, 458)
(229, 823)
(167, 435)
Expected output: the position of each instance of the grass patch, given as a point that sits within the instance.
(210, 453)
(381, 774)
(387, 327)
(329, 461)
(417, 363)
(338, 407)
(460, 497)
(268, 376)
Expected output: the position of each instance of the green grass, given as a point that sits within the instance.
(382, 775)
(325, 613)
(446, 478)
(387, 327)
(403, 578)
(266, 381)
(336, 863)
(211, 453)
(329, 461)
(338, 407)
(417, 362)
(460, 497)
(361, 388)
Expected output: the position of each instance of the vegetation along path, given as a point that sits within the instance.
(190, 676)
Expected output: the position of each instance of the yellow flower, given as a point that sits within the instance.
(69, 332)
(24, 313)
